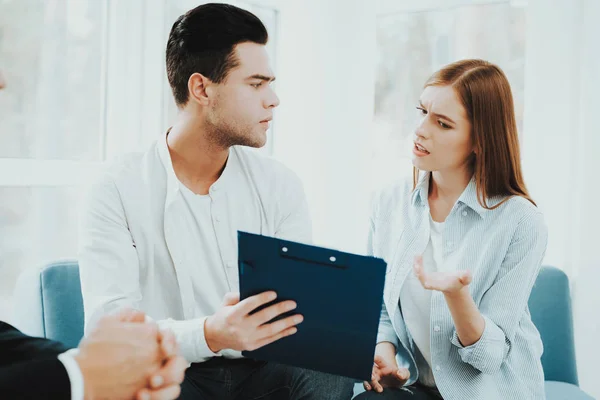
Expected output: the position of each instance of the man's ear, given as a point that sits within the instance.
(197, 85)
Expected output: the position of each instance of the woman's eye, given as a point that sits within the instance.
(443, 125)
(256, 85)
(422, 111)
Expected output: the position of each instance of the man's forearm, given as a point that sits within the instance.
(211, 337)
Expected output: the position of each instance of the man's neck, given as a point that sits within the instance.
(197, 161)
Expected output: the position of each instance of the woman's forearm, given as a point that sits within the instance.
(468, 321)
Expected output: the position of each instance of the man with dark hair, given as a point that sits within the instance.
(159, 231)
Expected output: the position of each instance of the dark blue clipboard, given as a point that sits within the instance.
(339, 294)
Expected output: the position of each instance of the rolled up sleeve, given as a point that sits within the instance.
(503, 305)
(488, 353)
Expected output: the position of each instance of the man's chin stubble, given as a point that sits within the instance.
(254, 141)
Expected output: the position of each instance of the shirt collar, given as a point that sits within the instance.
(421, 191)
(165, 158)
(468, 197)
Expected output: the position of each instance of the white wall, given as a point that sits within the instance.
(326, 86)
(560, 154)
(587, 300)
(551, 123)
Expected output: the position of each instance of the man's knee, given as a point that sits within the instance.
(190, 390)
(322, 386)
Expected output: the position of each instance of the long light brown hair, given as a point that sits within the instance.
(486, 96)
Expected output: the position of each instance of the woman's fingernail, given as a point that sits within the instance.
(145, 396)
(157, 381)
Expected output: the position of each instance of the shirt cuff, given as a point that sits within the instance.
(74, 373)
(387, 333)
(191, 339)
(488, 353)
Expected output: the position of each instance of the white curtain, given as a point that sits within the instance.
(560, 145)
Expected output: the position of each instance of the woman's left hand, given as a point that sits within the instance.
(447, 282)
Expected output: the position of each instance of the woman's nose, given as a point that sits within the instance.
(420, 131)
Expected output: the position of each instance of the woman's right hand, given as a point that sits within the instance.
(386, 373)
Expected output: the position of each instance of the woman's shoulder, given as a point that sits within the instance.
(520, 214)
(520, 208)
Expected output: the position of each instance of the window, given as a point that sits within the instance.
(51, 127)
(38, 224)
(85, 82)
(51, 56)
(412, 45)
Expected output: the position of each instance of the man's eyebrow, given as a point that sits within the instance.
(262, 77)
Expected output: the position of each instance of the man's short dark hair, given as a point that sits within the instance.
(202, 41)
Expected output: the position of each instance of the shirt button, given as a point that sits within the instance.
(436, 328)
(464, 213)
(437, 368)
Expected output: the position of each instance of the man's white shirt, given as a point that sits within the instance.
(148, 242)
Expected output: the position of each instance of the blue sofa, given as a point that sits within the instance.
(49, 304)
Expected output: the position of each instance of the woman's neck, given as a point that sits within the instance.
(444, 190)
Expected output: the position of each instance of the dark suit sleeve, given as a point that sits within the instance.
(29, 367)
(35, 379)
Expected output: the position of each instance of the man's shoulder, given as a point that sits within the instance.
(132, 163)
(266, 167)
(129, 168)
